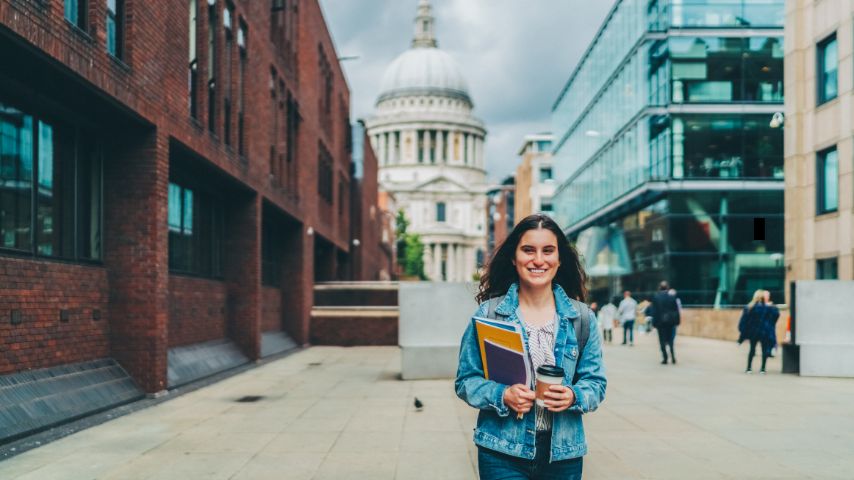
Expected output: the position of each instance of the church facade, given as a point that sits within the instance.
(430, 150)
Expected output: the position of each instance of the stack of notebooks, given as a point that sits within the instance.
(503, 351)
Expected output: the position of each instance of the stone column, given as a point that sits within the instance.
(437, 262)
(425, 147)
(472, 159)
(428, 260)
(440, 145)
(382, 149)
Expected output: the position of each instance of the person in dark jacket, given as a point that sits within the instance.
(757, 326)
(664, 311)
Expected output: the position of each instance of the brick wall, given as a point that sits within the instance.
(197, 310)
(271, 309)
(137, 108)
(38, 290)
(720, 324)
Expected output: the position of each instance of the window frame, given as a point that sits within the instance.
(441, 212)
(821, 75)
(71, 178)
(118, 21)
(820, 186)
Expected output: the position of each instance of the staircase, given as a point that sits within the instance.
(354, 313)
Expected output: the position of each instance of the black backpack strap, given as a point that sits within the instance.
(492, 304)
(581, 323)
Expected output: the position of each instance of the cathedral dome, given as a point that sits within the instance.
(423, 71)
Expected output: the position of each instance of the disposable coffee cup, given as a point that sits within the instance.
(547, 375)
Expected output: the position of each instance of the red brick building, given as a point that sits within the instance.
(172, 173)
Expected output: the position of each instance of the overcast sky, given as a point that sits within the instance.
(516, 56)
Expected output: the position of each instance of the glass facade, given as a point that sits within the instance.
(684, 105)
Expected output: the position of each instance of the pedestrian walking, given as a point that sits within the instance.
(607, 318)
(665, 317)
(535, 279)
(769, 303)
(627, 312)
(756, 325)
(672, 293)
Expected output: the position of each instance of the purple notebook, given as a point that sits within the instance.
(506, 366)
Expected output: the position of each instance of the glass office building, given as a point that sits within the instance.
(671, 167)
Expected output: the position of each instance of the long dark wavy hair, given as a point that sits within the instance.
(500, 272)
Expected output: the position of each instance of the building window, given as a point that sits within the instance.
(827, 188)
(212, 65)
(547, 208)
(50, 188)
(227, 18)
(193, 78)
(440, 212)
(826, 56)
(721, 69)
(115, 27)
(826, 269)
(546, 174)
(196, 232)
(76, 12)
(271, 255)
(324, 174)
(241, 87)
(325, 97)
(292, 133)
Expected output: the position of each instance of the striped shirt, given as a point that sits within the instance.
(541, 344)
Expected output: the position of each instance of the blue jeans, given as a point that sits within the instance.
(629, 329)
(498, 466)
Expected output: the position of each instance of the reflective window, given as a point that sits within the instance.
(76, 12)
(114, 27)
(826, 269)
(196, 221)
(826, 56)
(827, 163)
(714, 70)
(546, 174)
(440, 212)
(724, 146)
(726, 13)
(59, 167)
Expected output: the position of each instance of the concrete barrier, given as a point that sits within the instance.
(825, 327)
(721, 324)
(433, 316)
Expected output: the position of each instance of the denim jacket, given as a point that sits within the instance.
(497, 427)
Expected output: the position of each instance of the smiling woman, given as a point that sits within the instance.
(535, 279)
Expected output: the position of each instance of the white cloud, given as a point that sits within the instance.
(516, 56)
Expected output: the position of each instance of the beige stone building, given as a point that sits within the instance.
(535, 183)
(818, 139)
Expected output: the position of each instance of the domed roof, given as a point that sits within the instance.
(423, 71)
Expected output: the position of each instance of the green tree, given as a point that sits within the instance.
(410, 250)
(414, 256)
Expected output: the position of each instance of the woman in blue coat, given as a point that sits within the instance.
(757, 326)
(540, 282)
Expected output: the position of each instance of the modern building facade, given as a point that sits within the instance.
(431, 153)
(174, 177)
(535, 184)
(669, 163)
(819, 147)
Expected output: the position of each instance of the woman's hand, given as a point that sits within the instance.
(519, 398)
(559, 398)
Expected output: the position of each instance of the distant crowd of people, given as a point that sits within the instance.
(663, 312)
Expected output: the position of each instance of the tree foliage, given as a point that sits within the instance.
(410, 250)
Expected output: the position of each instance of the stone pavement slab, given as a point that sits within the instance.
(340, 413)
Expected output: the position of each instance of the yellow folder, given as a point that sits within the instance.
(509, 336)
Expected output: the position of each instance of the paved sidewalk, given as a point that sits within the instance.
(330, 412)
